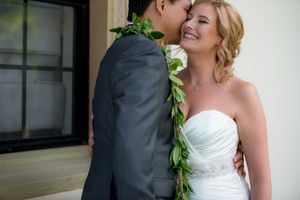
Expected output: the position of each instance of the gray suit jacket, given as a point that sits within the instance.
(132, 125)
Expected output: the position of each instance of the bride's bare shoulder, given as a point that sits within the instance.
(241, 90)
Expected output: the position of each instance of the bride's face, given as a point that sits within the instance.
(199, 32)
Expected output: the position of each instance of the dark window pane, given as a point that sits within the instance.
(49, 104)
(50, 35)
(11, 32)
(10, 76)
(34, 76)
(45, 109)
(10, 104)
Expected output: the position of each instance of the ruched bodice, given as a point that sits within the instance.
(212, 134)
(212, 139)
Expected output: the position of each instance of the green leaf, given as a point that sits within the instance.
(172, 66)
(171, 158)
(174, 63)
(185, 154)
(174, 111)
(176, 155)
(180, 92)
(150, 36)
(175, 79)
(185, 167)
(169, 98)
(134, 18)
(133, 31)
(190, 189)
(180, 139)
(178, 98)
(185, 197)
(116, 30)
(178, 62)
(118, 35)
(147, 23)
(178, 197)
(138, 29)
(180, 117)
(157, 35)
(174, 72)
(146, 26)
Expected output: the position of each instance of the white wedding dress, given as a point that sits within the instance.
(212, 138)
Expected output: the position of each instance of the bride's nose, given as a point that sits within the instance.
(190, 24)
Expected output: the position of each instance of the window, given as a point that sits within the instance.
(43, 73)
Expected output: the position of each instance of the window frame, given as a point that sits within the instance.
(80, 99)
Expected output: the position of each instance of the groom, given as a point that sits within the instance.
(132, 125)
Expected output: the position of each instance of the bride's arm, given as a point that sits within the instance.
(253, 134)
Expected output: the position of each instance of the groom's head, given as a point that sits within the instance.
(167, 16)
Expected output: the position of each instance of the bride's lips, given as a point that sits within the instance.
(190, 36)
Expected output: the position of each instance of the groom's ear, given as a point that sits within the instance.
(160, 5)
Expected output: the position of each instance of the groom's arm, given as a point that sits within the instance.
(137, 100)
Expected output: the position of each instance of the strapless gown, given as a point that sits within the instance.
(212, 138)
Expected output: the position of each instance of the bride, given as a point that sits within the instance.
(220, 108)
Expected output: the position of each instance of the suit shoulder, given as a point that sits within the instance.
(136, 44)
(133, 39)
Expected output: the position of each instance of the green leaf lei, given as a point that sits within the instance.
(179, 154)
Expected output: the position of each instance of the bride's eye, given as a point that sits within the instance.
(202, 22)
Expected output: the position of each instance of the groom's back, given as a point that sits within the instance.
(113, 169)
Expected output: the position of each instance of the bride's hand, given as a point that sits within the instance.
(239, 160)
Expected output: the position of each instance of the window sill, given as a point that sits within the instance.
(36, 173)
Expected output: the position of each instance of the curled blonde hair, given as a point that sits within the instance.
(231, 29)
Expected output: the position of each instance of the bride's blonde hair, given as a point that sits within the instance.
(230, 28)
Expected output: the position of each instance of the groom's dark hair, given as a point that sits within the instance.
(139, 7)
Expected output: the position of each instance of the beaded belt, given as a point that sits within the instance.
(211, 169)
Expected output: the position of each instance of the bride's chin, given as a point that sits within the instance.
(183, 45)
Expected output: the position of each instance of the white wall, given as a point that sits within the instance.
(270, 60)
